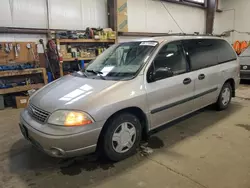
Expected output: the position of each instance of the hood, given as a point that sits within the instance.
(244, 60)
(65, 92)
(244, 57)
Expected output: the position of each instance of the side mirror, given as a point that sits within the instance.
(162, 73)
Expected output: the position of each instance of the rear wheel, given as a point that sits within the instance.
(224, 97)
(122, 136)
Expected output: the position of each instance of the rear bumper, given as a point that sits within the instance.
(59, 146)
(245, 74)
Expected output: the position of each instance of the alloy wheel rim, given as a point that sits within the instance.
(226, 96)
(124, 137)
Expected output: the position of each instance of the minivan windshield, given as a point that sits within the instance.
(120, 61)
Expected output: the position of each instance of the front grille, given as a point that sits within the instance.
(37, 113)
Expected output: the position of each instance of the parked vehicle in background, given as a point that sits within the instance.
(128, 91)
(244, 59)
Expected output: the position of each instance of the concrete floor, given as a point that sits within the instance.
(209, 149)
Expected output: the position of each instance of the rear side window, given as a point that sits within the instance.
(208, 52)
(225, 53)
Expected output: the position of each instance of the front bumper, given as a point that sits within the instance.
(245, 74)
(69, 145)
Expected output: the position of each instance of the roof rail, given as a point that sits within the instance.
(133, 34)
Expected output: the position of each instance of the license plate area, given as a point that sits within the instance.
(24, 131)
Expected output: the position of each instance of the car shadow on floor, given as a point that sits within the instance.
(36, 169)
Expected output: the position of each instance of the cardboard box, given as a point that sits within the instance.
(122, 23)
(67, 56)
(122, 16)
(63, 49)
(22, 101)
(122, 6)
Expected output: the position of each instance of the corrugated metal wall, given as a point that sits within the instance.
(5, 14)
(161, 17)
(143, 15)
(63, 14)
(156, 16)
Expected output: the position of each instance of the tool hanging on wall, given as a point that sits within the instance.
(19, 54)
(16, 53)
(6, 48)
(10, 46)
(18, 47)
(31, 51)
(47, 58)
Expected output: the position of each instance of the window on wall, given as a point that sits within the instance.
(196, 1)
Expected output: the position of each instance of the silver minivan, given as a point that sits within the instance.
(128, 91)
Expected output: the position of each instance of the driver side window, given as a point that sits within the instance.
(171, 57)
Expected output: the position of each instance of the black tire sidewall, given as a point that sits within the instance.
(111, 127)
(220, 105)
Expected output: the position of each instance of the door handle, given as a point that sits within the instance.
(187, 81)
(201, 76)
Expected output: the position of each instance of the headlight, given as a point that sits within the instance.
(70, 118)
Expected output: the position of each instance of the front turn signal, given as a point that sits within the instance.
(77, 119)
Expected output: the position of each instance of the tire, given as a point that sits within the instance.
(221, 103)
(119, 130)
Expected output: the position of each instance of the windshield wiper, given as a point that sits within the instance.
(99, 73)
(95, 72)
(84, 74)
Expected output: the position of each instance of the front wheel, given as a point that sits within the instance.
(224, 97)
(122, 136)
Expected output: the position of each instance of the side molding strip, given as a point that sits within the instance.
(182, 101)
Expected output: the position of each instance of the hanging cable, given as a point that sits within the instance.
(172, 16)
